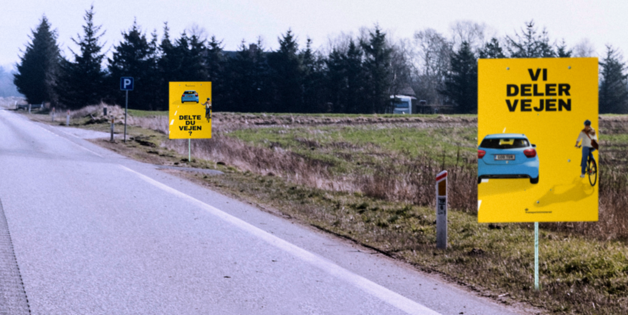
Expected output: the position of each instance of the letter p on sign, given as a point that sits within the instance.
(126, 84)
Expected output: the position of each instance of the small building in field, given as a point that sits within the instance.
(404, 102)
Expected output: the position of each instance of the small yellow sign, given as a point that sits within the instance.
(190, 110)
(530, 114)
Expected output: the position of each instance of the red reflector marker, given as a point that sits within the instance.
(481, 154)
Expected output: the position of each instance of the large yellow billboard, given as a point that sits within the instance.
(537, 126)
(190, 110)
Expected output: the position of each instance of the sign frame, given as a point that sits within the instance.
(546, 101)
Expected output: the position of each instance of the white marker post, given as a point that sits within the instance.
(112, 121)
(441, 210)
(67, 119)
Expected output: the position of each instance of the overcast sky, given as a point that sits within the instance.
(602, 22)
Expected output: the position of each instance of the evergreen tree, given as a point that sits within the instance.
(194, 63)
(287, 74)
(562, 51)
(248, 82)
(134, 57)
(187, 59)
(530, 44)
(313, 85)
(346, 80)
(492, 50)
(262, 84)
(215, 59)
(241, 71)
(461, 83)
(613, 91)
(356, 83)
(216, 62)
(153, 80)
(82, 81)
(335, 81)
(167, 67)
(38, 67)
(376, 64)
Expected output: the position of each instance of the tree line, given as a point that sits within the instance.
(353, 74)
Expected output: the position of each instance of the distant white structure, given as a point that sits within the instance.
(402, 104)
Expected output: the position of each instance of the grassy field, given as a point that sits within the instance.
(370, 179)
(145, 113)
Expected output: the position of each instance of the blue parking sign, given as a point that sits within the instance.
(126, 84)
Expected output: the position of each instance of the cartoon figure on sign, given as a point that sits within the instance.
(208, 109)
(588, 136)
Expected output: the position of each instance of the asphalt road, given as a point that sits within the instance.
(93, 232)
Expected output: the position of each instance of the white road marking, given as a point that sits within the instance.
(395, 299)
(78, 145)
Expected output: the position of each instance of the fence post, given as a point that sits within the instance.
(441, 210)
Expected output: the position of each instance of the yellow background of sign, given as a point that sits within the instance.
(178, 109)
(560, 195)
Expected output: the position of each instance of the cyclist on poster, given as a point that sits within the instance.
(588, 136)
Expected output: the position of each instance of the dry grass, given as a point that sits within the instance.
(410, 178)
(351, 188)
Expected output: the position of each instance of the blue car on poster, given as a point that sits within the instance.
(507, 155)
(189, 96)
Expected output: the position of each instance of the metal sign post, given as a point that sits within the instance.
(126, 109)
(441, 210)
(536, 256)
(126, 84)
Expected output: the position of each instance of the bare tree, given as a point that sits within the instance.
(339, 42)
(467, 31)
(584, 49)
(433, 55)
(198, 31)
(401, 65)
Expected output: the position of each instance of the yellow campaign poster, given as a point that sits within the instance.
(190, 110)
(537, 129)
